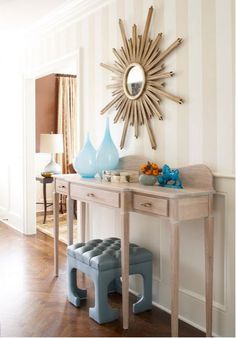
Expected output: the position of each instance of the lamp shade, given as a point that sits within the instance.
(51, 143)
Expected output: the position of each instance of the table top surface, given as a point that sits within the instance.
(43, 179)
(136, 187)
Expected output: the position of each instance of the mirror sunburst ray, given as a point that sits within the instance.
(138, 74)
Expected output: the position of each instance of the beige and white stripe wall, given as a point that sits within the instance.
(199, 131)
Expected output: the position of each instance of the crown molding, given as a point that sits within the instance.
(65, 15)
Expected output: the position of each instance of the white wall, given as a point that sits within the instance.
(200, 131)
(11, 129)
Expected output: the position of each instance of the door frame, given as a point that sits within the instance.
(29, 182)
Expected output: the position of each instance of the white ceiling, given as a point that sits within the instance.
(18, 15)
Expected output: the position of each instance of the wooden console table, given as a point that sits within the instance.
(176, 205)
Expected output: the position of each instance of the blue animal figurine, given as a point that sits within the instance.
(169, 175)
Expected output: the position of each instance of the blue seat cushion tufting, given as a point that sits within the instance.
(105, 254)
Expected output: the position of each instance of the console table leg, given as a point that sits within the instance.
(56, 230)
(125, 207)
(174, 259)
(70, 216)
(82, 219)
(209, 227)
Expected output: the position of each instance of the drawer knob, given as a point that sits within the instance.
(61, 186)
(90, 195)
(146, 205)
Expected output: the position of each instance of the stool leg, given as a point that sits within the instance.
(74, 293)
(145, 302)
(115, 286)
(102, 312)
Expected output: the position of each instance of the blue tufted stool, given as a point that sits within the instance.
(101, 261)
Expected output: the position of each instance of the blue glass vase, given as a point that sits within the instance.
(85, 161)
(107, 154)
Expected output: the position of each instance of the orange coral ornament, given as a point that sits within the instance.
(155, 172)
(148, 172)
(150, 168)
(143, 168)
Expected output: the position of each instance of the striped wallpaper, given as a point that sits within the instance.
(201, 130)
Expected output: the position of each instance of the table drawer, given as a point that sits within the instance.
(109, 198)
(62, 187)
(158, 206)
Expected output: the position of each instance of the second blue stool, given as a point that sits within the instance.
(101, 261)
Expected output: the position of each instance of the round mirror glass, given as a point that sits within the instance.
(135, 80)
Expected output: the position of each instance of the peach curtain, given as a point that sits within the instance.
(67, 120)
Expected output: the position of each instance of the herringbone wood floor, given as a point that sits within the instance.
(33, 302)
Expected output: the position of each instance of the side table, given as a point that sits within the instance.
(45, 181)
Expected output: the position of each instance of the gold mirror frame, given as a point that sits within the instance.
(138, 110)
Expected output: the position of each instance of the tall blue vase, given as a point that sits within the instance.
(85, 161)
(107, 154)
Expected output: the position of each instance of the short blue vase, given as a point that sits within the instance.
(107, 154)
(85, 161)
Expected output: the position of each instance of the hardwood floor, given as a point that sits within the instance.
(33, 302)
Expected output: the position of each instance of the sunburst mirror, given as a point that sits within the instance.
(138, 80)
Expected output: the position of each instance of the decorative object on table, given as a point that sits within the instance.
(52, 144)
(149, 174)
(139, 80)
(169, 178)
(46, 174)
(107, 154)
(120, 176)
(85, 161)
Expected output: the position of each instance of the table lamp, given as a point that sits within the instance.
(52, 144)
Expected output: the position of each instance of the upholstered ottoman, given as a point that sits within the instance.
(101, 261)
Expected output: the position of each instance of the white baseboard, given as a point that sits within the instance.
(12, 219)
(180, 317)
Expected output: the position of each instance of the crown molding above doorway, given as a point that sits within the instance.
(65, 15)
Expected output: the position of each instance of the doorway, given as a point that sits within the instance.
(56, 137)
(34, 162)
